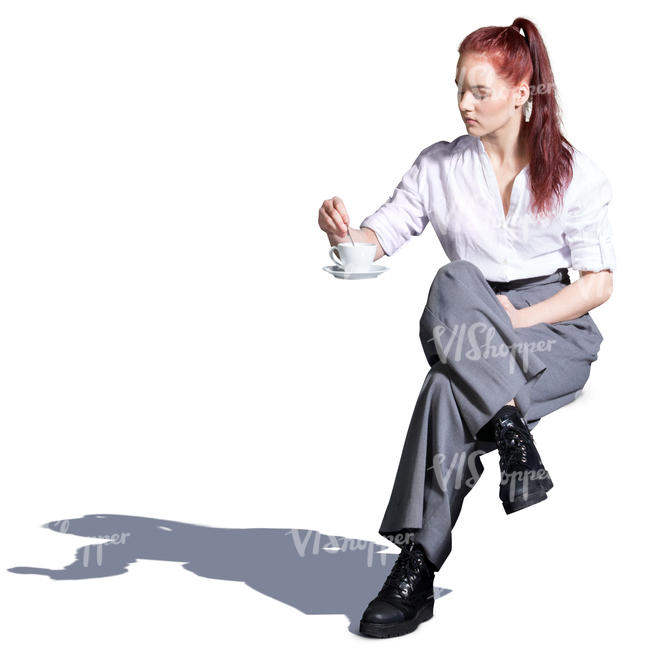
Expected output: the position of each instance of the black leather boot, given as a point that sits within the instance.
(405, 600)
(524, 479)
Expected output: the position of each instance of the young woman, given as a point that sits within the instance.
(508, 336)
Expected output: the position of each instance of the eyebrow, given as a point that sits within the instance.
(476, 86)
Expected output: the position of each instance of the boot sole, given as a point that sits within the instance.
(547, 484)
(520, 504)
(385, 630)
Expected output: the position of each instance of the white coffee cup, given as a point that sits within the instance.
(354, 258)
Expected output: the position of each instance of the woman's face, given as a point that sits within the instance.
(484, 97)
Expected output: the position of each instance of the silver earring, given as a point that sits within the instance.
(528, 109)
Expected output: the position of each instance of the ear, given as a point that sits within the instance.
(524, 93)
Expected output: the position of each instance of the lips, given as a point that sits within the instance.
(469, 119)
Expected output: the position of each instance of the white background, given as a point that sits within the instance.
(172, 349)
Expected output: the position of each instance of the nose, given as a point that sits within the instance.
(465, 103)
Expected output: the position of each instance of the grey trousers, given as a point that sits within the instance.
(479, 362)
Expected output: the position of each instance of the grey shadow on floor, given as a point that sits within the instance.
(310, 571)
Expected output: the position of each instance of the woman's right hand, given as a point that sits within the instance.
(333, 218)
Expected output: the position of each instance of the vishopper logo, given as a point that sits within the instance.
(460, 464)
(465, 472)
(462, 224)
(114, 538)
(484, 73)
(521, 478)
(475, 342)
(342, 544)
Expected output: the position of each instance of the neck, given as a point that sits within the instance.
(506, 148)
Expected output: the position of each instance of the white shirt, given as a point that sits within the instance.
(453, 186)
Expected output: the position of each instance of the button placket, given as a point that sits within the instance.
(509, 222)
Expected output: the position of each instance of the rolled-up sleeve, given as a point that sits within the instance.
(404, 214)
(587, 228)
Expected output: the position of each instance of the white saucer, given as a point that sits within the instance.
(373, 272)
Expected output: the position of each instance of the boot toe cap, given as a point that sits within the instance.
(380, 611)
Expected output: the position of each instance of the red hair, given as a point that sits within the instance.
(517, 57)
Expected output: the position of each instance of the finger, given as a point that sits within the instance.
(335, 215)
(502, 301)
(330, 226)
(327, 223)
(340, 207)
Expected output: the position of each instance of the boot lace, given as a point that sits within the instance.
(404, 572)
(512, 447)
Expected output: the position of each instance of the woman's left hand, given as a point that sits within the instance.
(514, 313)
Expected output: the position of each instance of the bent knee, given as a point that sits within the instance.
(451, 278)
(457, 271)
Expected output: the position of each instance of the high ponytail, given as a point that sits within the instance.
(516, 57)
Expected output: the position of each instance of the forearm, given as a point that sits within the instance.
(574, 300)
(359, 235)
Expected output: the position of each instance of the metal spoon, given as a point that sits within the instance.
(349, 235)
